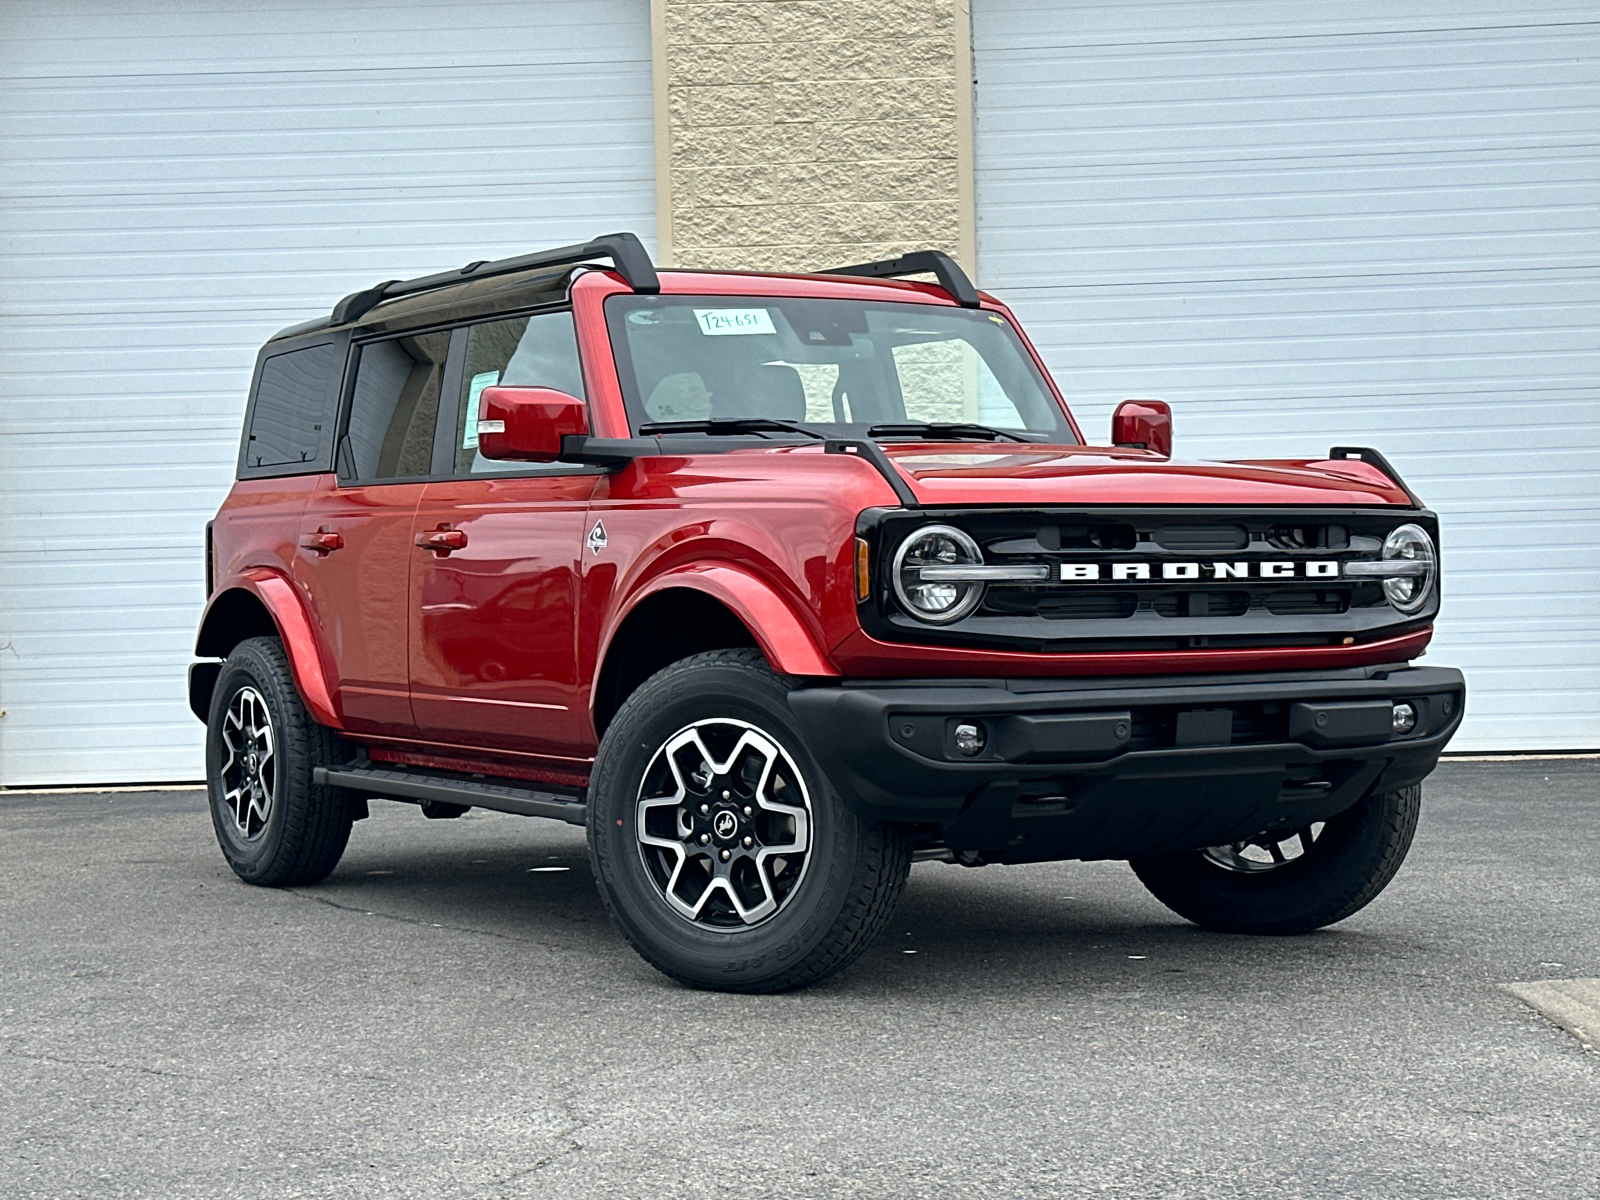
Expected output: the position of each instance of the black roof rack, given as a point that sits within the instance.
(623, 249)
(949, 273)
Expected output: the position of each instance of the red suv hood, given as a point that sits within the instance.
(963, 473)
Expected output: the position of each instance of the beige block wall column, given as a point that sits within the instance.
(803, 134)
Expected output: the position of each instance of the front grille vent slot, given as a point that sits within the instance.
(1082, 606)
(1105, 604)
(1070, 537)
(1187, 539)
(1309, 537)
(1202, 604)
(1154, 728)
(1294, 604)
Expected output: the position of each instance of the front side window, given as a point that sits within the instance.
(394, 408)
(827, 362)
(536, 351)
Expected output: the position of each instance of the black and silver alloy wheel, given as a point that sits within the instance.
(719, 847)
(724, 824)
(250, 770)
(1284, 882)
(1266, 851)
(275, 825)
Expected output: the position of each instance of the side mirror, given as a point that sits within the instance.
(526, 424)
(1145, 424)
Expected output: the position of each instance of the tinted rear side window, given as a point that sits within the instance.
(395, 407)
(289, 422)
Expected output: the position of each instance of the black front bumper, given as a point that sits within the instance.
(1098, 768)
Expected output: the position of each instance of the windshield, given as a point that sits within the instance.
(833, 363)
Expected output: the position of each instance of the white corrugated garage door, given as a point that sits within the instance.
(178, 182)
(1361, 224)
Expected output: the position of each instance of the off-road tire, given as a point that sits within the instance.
(851, 884)
(306, 825)
(1354, 858)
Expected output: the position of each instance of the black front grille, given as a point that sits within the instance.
(1159, 579)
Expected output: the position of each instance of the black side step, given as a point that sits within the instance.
(474, 793)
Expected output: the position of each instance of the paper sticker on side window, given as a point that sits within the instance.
(720, 322)
(469, 427)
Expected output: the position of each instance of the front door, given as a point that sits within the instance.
(355, 551)
(494, 572)
(494, 660)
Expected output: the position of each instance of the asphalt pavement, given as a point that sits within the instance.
(450, 1015)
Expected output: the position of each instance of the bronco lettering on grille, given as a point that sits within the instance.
(1179, 572)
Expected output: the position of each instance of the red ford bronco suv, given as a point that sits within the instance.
(778, 583)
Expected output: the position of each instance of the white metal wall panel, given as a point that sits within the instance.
(181, 180)
(1309, 224)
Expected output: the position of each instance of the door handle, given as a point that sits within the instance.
(443, 540)
(323, 542)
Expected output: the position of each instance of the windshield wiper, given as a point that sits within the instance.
(715, 425)
(945, 431)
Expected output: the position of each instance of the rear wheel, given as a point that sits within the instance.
(1286, 882)
(276, 828)
(720, 849)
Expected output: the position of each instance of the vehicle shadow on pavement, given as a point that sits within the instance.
(521, 881)
(1084, 926)
(993, 929)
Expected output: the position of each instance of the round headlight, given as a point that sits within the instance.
(936, 600)
(1410, 544)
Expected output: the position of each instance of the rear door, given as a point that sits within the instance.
(355, 544)
(495, 604)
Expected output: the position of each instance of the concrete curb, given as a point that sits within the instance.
(1573, 1004)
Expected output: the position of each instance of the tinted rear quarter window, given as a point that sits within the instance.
(290, 423)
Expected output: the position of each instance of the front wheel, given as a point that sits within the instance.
(1286, 882)
(720, 850)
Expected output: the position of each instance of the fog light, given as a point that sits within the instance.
(1405, 718)
(970, 738)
